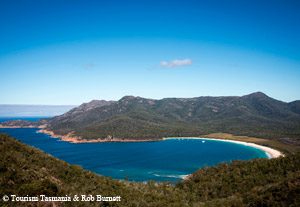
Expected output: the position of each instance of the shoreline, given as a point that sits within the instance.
(76, 140)
(16, 127)
(270, 152)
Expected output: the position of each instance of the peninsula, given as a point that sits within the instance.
(271, 122)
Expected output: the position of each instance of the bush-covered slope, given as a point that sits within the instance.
(27, 171)
(254, 183)
(134, 117)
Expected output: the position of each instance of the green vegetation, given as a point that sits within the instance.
(285, 145)
(261, 182)
(254, 115)
(27, 171)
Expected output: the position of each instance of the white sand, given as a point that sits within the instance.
(272, 153)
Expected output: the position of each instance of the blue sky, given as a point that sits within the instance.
(71, 51)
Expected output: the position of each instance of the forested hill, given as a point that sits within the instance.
(262, 182)
(255, 114)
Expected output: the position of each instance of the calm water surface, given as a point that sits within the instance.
(167, 160)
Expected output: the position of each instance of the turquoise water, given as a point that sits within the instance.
(167, 160)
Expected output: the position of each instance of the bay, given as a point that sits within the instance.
(168, 160)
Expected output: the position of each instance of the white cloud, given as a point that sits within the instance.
(176, 63)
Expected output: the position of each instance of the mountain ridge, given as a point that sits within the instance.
(255, 114)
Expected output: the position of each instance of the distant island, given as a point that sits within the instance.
(140, 119)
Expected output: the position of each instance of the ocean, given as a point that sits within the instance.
(168, 160)
(3, 119)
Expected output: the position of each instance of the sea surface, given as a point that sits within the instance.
(3, 119)
(168, 160)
